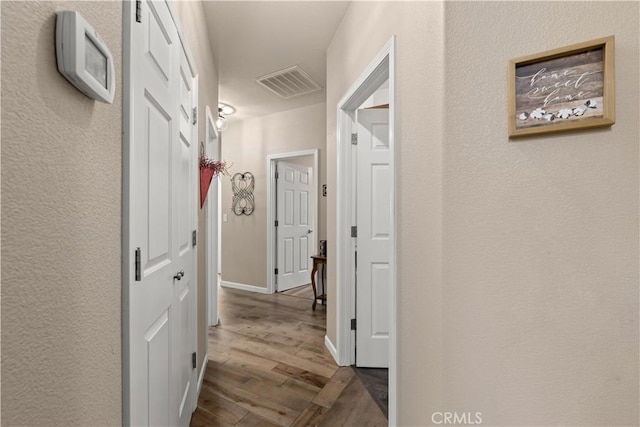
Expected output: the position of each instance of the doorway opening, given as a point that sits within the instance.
(378, 78)
(298, 160)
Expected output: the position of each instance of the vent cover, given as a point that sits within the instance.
(289, 82)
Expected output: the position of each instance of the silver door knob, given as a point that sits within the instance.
(309, 231)
(179, 275)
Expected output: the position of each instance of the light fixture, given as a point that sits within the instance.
(221, 123)
(224, 110)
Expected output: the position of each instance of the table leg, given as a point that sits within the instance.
(313, 284)
(324, 283)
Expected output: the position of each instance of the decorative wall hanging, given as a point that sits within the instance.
(209, 168)
(563, 89)
(242, 185)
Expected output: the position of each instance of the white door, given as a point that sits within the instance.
(373, 213)
(294, 219)
(185, 290)
(161, 203)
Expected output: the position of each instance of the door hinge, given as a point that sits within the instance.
(194, 238)
(354, 139)
(195, 115)
(353, 324)
(354, 231)
(277, 175)
(193, 360)
(138, 255)
(276, 271)
(276, 222)
(138, 10)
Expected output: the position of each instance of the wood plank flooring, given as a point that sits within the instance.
(268, 366)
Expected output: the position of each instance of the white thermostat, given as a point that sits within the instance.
(83, 58)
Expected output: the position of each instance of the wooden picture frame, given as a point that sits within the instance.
(563, 89)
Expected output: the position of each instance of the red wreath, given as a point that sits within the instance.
(208, 169)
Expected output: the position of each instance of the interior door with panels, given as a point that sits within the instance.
(294, 216)
(185, 289)
(373, 215)
(160, 293)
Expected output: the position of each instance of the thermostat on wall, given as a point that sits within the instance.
(83, 58)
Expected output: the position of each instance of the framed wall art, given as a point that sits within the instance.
(563, 89)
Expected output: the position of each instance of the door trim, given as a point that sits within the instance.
(212, 267)
(272, 159)
(128, 18)
(381, 68)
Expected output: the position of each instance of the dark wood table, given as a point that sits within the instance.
(318, 260)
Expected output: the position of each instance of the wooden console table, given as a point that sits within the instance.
(317, 260)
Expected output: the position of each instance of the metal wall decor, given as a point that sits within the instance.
(242, 185)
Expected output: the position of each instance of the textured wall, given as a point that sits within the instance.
(195, 30)
(246, 145)
(517, 261)
(365, 29)
(61, 227)
(541, 235)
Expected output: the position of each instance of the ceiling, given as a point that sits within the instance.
(254, 38)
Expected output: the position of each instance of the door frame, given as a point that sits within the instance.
(212, 267)
(272, 160)
(128, 265)
(381, 68)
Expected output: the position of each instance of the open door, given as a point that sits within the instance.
(374, 248)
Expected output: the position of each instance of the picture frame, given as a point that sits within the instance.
(562, 90)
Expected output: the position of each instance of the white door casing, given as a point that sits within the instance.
(213, 150)
(381, 68)
(373, 205)
(294, 216)
(271, 166)
(160, 214)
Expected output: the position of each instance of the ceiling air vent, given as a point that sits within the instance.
(289, 82)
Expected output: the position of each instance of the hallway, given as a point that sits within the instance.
(515, 268)
(268, 366)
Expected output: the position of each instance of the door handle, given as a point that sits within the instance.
(309, 231)
(179, 275)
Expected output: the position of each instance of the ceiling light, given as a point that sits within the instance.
(224, 110)
(221, 123)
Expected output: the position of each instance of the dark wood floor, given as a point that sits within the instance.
(268, 366)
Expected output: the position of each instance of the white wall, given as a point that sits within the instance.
(246, 145)
(517, 261)
(61, 227)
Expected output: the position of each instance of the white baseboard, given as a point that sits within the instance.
(244, 287)
(201, 377)
(331, 348)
